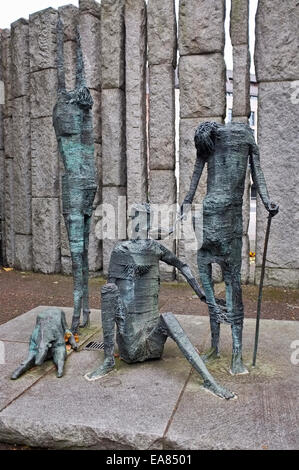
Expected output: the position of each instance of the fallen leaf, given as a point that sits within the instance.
(8, 269)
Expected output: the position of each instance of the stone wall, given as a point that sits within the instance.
(277, 69)
(239, 26)
(202, 96)
(130, 52)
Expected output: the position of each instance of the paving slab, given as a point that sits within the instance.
(157, 404)
(266, 413)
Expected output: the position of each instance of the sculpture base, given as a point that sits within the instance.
(115, 412)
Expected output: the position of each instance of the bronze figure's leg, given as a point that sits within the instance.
(205, 274)
(75, 227)
(235, 310)
(110, 307)
(176, 332)
(26, 365)
(86, 310)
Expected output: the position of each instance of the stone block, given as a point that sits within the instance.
(46, 235)
(276, 46)
(202, 86)
(69, 15)
(43, 93)
(6, 71)
(66, 265)
(90, 31)
(23, 252)
(22, 165)
(7, 137)
(245, 267)
(112, 221)
(90, 6)
(42, 39)
(20, 58)
(241, 83)
(239, 21)
(162, 117)
(95, 252)
(113, 43)
(278, 137)
(162, 189)
(135, 19)
(113, 138)
(64, 241)
(2, 185)
(201, 26)
(45, 158)
(70, 52)
(9, 232)
(162, 32)
(97, 115)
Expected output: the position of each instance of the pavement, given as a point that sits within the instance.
(157, 404)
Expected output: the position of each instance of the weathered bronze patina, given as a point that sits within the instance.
(225, 150)
(130, 302)
(72, 120)
(48, 342)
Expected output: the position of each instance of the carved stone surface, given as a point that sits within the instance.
(45, 170)
(22, 165)
(42, 96)
(135, 19)
(241, 84)
(42, 39)
(113, 43)
(6, 72)
(201, 26)
(20, 58)
(116, 197)
(90, 6)
(23, 252)
(239, 22)
(90, 31)
(46, 235)
(162, 187)
(162, 110)
(162, 32)
(113, 137)
(70, 16)
(202, 85)
(9, 232)
(278, 137)
(276, 47)
(70, 64)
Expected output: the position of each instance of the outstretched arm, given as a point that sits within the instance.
(197, 172)
(170, 258)
(259, 179)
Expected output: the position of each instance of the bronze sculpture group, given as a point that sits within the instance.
(130, 298)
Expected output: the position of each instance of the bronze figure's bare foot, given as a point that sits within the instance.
(237, 367)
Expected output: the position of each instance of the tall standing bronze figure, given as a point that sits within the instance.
(72, 120)
(225, 149)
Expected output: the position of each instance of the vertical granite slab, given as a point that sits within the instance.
(136, 144)
(113, 43)
(46, 234)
